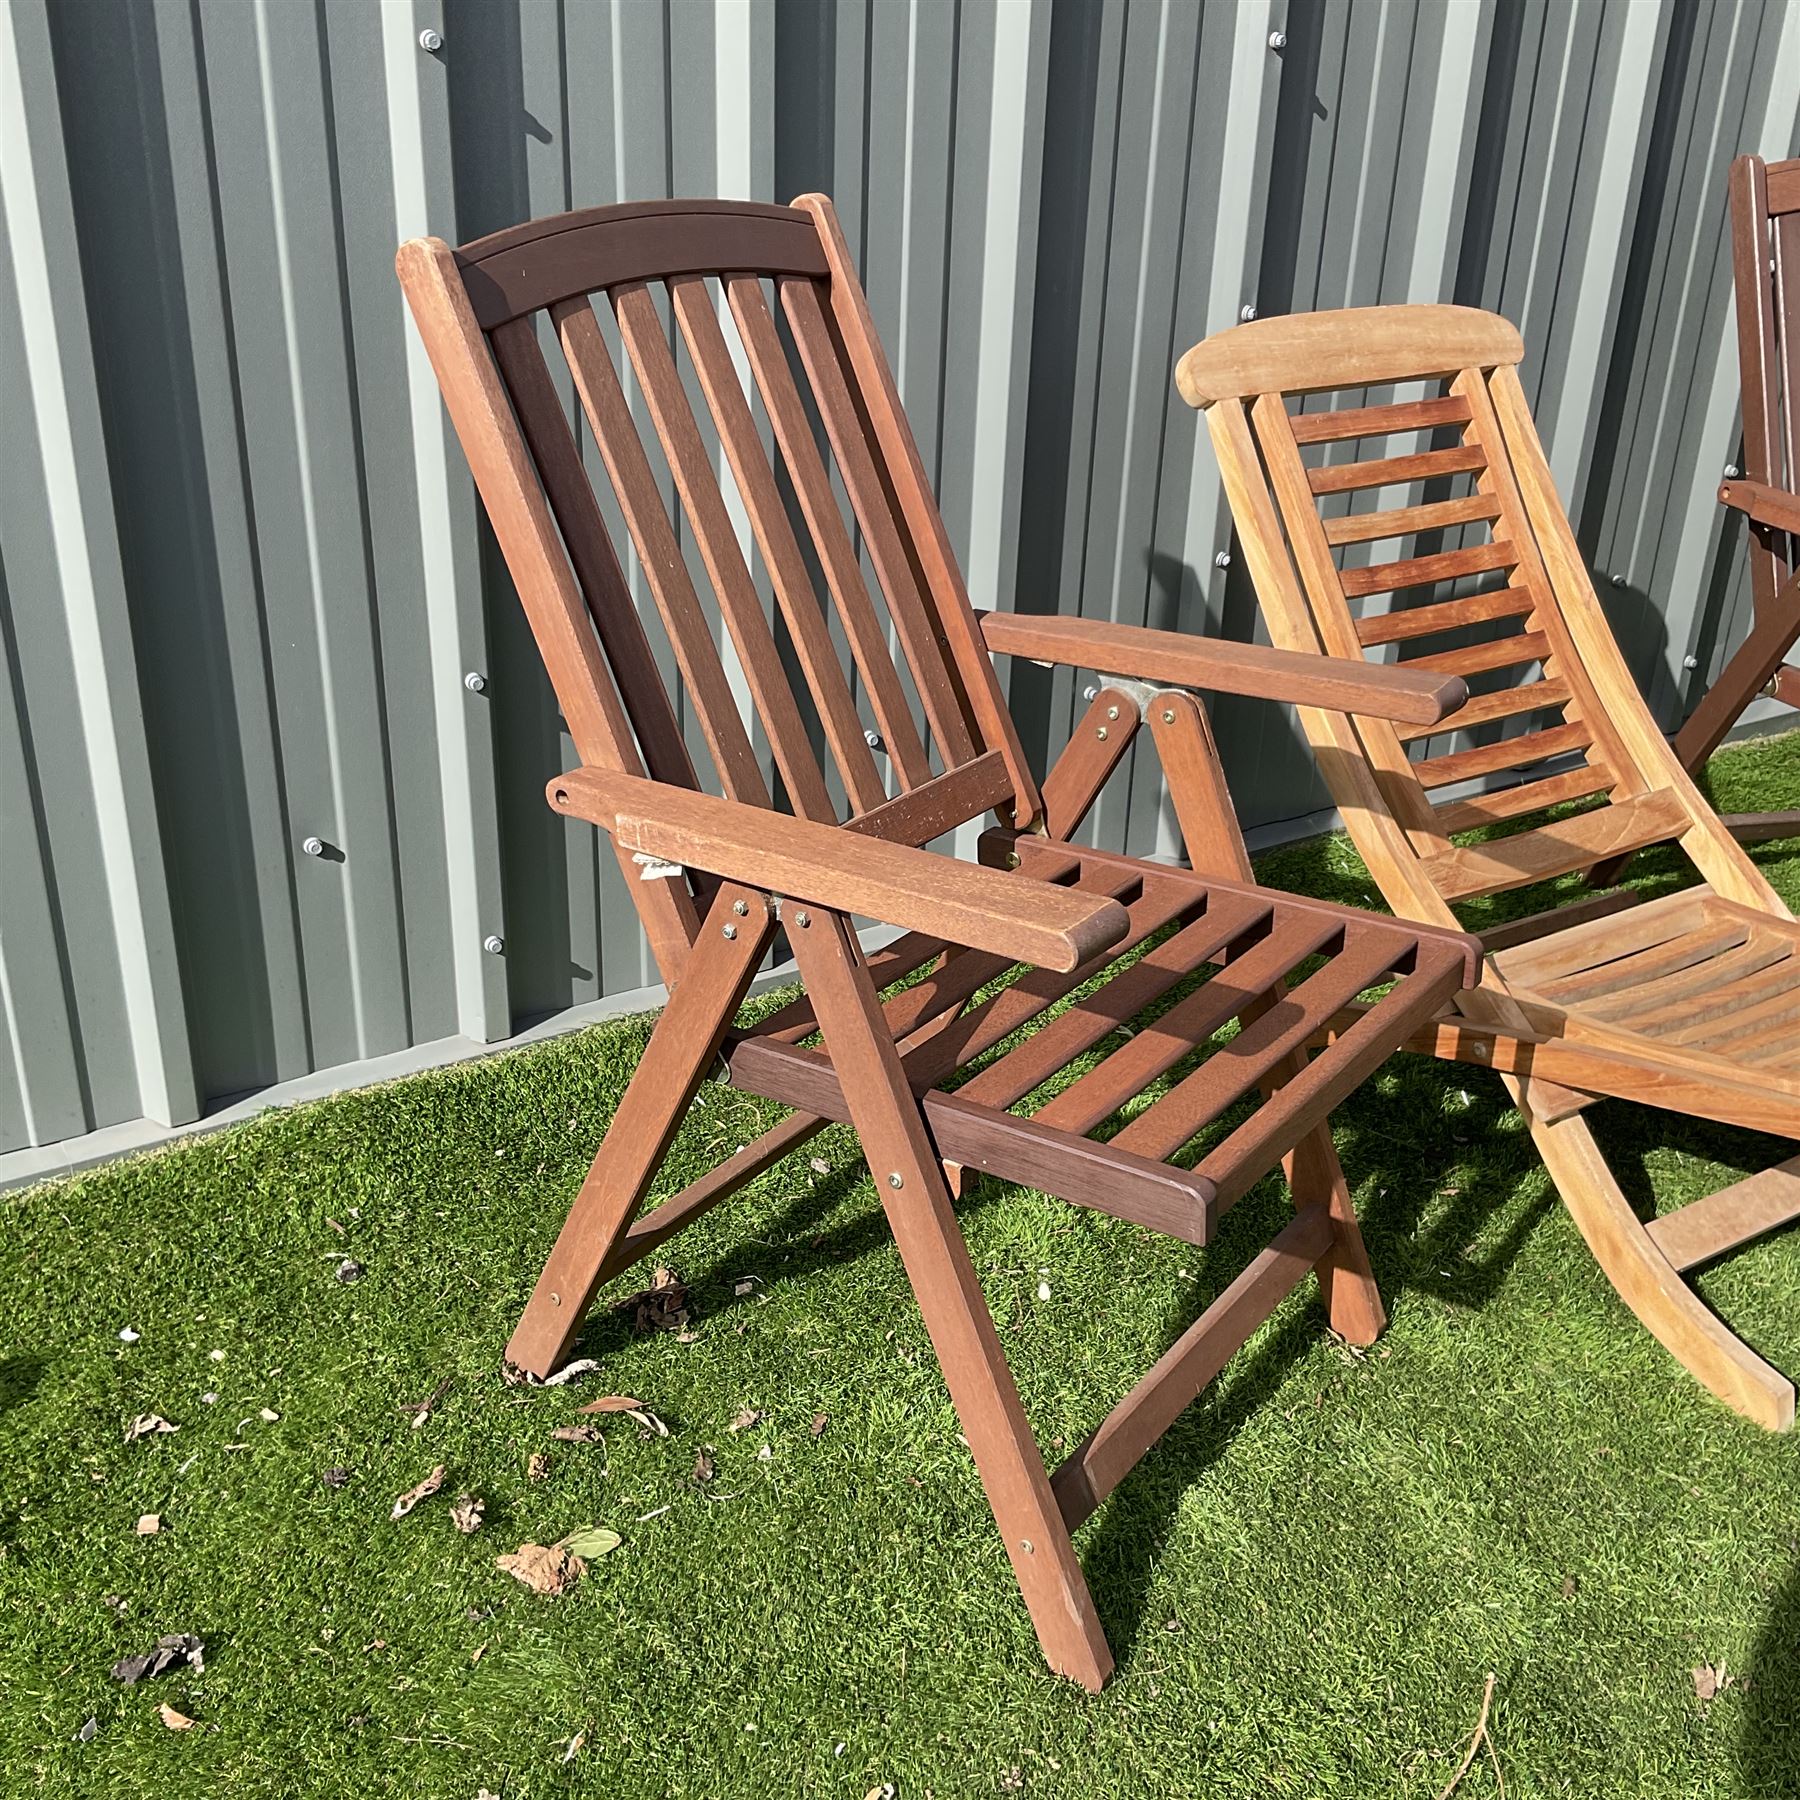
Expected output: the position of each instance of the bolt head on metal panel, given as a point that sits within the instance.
(1618, 581)
(1277, 40)
(1732, 471)
(1246, 313)
(431, 42)
(872, 739)
(313, 846)
(1690, 662)
(493, 944)
(1090, 692)
(474, 681)
(1222, 560)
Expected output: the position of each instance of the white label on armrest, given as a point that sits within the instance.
(653, 868)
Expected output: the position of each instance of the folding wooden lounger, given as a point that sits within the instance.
(1765, 240)
(939, 1076)
(1690, 1001)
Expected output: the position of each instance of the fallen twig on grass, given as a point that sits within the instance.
(1477, 1738)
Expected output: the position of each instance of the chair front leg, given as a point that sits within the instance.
(907, 1176)
(686, 1038)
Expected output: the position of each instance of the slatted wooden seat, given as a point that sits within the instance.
(1012, 974)
(1427, 528)
(1765, 239)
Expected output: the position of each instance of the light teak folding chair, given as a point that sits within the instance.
(1690, 1001)
(937, 1077)
(1765, 239)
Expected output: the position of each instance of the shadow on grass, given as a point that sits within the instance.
(20, 1377)
(1768, 1747)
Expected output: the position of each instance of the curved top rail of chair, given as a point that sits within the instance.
(513, 272)
(1358, 346)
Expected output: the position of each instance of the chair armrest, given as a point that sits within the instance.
(1010, 915)
(1183, 659)
(1766, 505)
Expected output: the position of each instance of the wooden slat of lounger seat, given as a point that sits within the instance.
(1408, 521)
(1558, 848)
(816, 654)
(1428, 571)
(1763, 1030)
(871, 502)
(825, 524)
(1509, 753)
(1091, 1471)
(1380, 421)
(1027, 1151)
(1484, 709)
(1161, 1044)
(1624, 973)
(1512, 650)
(1394, 471)
(1308, 1097)
(1227, 920)
(1602, 938)
(1443, 615)
(1639, 1008)
(1747, 1209)
(1172, 1119)
(1521, 798)
(1762, 969)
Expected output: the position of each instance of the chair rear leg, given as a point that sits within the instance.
(1643, 1276)
(1346, 1280)
(907, 1176)
(682, 1046)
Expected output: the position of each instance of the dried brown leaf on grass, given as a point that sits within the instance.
(610, 1403)
(747, 1417)
(414, 1495)
(1711, 1680)
(544, 1568)
(552, 1569)
(147, 1425)
(537, 1468)
(578, 1434)
(662, 1306)
(176, 1721)
(149, 1524)
(466, 1511)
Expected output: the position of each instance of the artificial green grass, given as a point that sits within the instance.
(1306, 1584)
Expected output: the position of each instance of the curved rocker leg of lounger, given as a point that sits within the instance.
(1646, 1280)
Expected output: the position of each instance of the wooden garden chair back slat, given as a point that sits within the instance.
(1426, 525)
(1765, 241)
(761, 392)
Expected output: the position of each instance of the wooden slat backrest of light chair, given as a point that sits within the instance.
(1429, 523)
(720, 315)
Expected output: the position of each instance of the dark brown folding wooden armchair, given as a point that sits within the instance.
(941, 1075)
(1765, 240)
